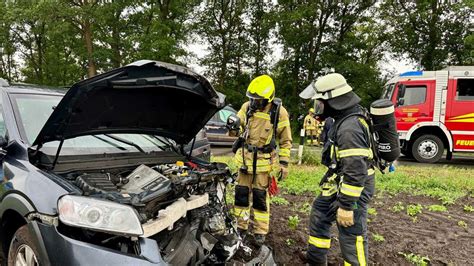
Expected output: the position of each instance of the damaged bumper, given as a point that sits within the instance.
(67, 251)
(63, 250)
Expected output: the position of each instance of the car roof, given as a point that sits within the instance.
(24, 88)
(229, 108)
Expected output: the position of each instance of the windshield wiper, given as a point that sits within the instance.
(111, 143)
(166, 141)
(125, 141)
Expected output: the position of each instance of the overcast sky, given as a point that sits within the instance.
(388, 65)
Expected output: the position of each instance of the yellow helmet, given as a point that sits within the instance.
(311, 110)
(261, 87)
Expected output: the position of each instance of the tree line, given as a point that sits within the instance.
(60, 42)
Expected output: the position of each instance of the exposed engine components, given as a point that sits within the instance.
(143, 178)
(95, 183)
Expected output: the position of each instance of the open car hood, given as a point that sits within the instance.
(144, 97)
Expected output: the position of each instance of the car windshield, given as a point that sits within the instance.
(33, 110)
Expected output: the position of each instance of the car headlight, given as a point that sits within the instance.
(99, 215)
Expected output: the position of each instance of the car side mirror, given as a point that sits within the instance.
(233, 122)
(401, 90)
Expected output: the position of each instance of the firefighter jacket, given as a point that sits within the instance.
(348, 156)
(310, 123)
(260, 133)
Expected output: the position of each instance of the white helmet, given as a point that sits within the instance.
(333, 88)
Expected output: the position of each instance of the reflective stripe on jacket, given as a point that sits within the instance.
(260, 134)
(353, 155)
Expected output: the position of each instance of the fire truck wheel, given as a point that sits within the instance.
(427, 149)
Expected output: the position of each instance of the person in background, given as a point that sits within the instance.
(311, 128)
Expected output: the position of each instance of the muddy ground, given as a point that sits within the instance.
(436, 235)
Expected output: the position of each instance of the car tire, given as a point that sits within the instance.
(427, 149)
(23, 248)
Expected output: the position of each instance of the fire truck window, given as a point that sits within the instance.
(465, 90)
(414, 95)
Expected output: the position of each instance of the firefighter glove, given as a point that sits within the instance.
(345, 217)
(283, 172)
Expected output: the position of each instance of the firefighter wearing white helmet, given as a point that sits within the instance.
(311, 126)
(263, 124)
(348, 184)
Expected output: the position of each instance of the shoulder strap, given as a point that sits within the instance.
(275, 114)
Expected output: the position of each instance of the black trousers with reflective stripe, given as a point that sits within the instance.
(353, 240)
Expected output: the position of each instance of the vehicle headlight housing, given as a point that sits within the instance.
(99, 215)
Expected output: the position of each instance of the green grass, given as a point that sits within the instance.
(446, 184)
(398, 207)
(279, 201)
(468, 208)
(437, 208)
(311, 158)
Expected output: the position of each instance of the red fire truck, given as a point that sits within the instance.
(434, 111)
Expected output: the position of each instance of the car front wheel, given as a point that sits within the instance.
(23, 251)
(428, 149)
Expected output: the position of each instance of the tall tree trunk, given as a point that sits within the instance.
(87, 31)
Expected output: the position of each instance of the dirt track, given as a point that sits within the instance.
(436, 235)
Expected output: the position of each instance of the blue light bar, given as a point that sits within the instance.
(412, 73)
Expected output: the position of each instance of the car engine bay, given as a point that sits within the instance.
(182, 206)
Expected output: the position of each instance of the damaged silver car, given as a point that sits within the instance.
(100, 175)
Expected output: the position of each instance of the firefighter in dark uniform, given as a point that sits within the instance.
(348, 184)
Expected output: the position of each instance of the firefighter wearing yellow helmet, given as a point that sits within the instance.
(311, 126)
(264, 122)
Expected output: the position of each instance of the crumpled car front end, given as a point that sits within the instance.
(165, 214)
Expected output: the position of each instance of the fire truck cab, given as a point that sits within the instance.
(434, 111)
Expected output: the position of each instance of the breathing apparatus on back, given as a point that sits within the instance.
(332, 95)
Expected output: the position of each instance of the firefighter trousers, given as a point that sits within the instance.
(252, 196)
(312, 136)
(353, 240)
